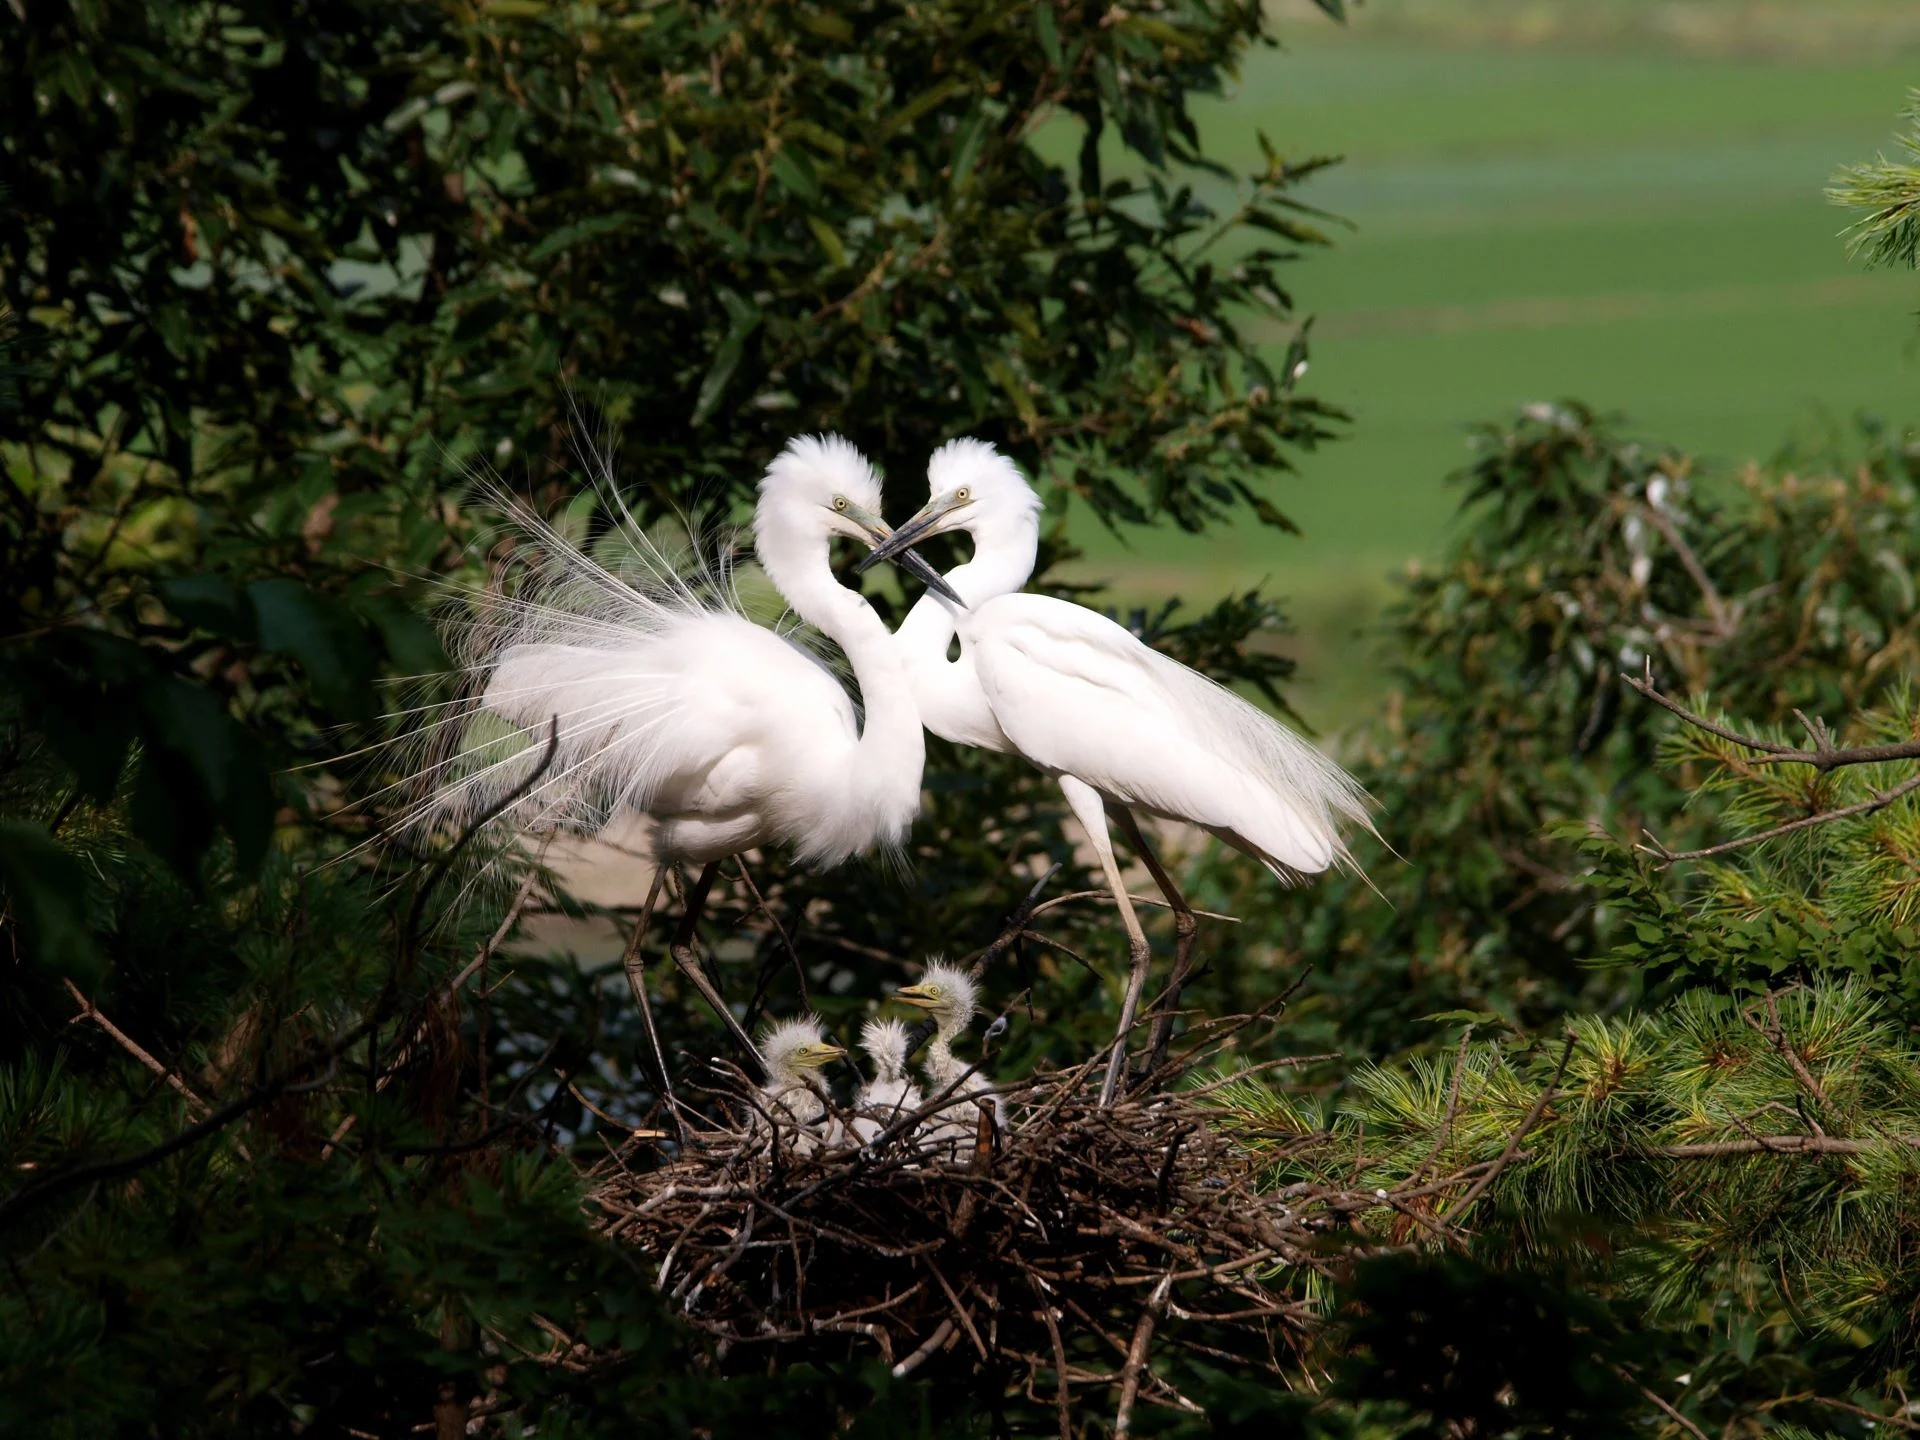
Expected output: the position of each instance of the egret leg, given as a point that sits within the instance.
(681, 948)
(635, 964)
(1091, 811)
(1186, 926)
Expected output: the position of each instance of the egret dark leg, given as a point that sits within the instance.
(635, 964)
(1186, 928)
(681, 948)
(1091, 811)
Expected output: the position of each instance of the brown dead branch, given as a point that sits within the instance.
(1824, 757)
(1127, 1233)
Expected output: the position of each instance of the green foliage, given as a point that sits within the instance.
(1582, 554)
(281, 272)
(285, 269)
(1660, 1125)
(1889, 190)
(1726, 1164)
(1821, 903)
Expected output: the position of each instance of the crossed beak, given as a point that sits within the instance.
(883, 536)
(927, 522)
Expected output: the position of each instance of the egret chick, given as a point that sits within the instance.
(951, 1000)
(891, 1093)
(795, 1096)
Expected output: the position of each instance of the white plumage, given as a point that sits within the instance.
(1119, 724)
(794, 1096)
(951, 1000)
(671, 704)
(666, 703)
(890, 1093)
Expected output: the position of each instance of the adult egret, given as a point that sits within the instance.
(664, 701)
(1119, 725)
(794, 1095)
(951, 1000)
(891, 1093)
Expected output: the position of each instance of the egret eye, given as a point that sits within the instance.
(839, 502)
(965, 492)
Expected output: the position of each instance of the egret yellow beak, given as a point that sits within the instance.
(879, 533)
(916, 995)
(932, 518)
(818, 1055)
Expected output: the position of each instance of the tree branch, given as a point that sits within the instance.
(1879, 800)
(1492, 1172)
(1824, 757)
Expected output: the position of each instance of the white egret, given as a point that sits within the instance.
(794, 1096)
(665, 701)
(890, 1093)
(951, 1000)
(1122, 727)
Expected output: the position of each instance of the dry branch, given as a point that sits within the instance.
(1132, 1232)
(1824, 757)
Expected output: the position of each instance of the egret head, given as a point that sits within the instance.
(885, 1043)
(818, 487)
(947, 994)
(972, 487)
(793, 1047)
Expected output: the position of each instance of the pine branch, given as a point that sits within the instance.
(1889, 191)
(1878, 800)
(1824, 757)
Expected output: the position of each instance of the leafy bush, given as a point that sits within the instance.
(1510, 735)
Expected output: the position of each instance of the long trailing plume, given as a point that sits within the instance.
(571, 634)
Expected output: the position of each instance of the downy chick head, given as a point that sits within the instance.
(885, 1044)
(794, 1049)
(946, 993)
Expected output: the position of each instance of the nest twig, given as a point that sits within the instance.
(1055, 1254)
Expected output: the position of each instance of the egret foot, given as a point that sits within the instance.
(681, 949)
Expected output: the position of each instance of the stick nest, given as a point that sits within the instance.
(1056, 1248)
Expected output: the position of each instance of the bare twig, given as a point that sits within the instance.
(1899, 1422)
(1879, 800)
(1824, 757)
(472, 968)
(633, 962)
(1137, 1358)
(779, 930)
(196, 1107)
(1662, 1404)
(941, 1334)
(1776, 1036)
(1778, 1145)
(1016, 923)
(1723, 620)
(1506, 1157)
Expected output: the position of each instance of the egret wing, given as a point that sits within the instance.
(675, 721)
(1081, 695)
(640, 665)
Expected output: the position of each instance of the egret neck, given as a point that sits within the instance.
(952, 703)
(892, 746)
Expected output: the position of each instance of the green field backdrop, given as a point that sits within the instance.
(1619, 200)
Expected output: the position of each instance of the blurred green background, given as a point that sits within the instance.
(1619, 200)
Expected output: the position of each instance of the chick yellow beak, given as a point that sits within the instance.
(916, 995)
